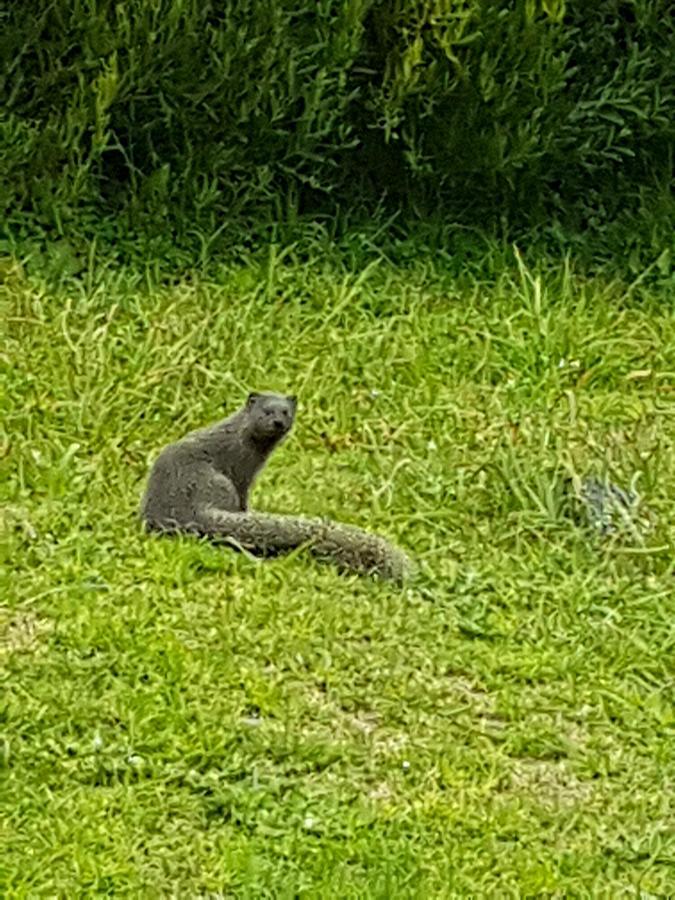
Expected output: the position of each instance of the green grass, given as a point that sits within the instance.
(177, 719)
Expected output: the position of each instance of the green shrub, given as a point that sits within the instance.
(197, 106)
(527, 103)
(180, 117)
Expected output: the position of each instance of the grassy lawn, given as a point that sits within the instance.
(179, 719)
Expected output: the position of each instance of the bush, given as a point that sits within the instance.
(190, 116)
(190, 106)
(528, 103)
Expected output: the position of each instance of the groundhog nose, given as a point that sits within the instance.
(278, 423)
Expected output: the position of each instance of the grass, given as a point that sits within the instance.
(180, 720)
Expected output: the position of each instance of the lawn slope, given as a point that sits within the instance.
(179, 719)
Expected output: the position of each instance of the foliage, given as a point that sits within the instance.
(524, 99)
(189, 105)
(195, 120)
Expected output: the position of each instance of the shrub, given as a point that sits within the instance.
(184, 116)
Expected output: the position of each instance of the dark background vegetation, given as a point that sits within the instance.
(197, 124)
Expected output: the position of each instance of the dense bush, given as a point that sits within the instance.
(205, 106)
(200, 114)
(523, 98)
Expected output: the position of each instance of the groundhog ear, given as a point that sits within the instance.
(252, 397)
